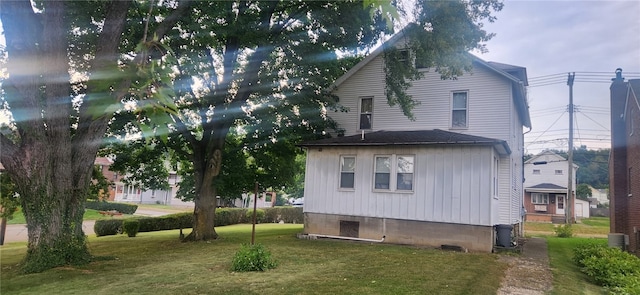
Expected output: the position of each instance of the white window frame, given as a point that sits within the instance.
(394, 173)
(342, 157)
(559, 172)
(361, 113)
(539, 198)
(377, 171)
(455, 109)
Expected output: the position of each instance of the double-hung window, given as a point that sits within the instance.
(540, 198)
(347, 172)
(401, 166)
(382, 177)
(459, 110)
(404, 173)
(366, 112)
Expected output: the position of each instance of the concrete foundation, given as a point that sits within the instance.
(475, 238)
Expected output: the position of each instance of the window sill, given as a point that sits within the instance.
(630, 195)
(459, 128)
(400, 192)
(345, 189)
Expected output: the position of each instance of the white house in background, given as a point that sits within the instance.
(119, 191)
(447, 178)
(600, 196)
(545, 189)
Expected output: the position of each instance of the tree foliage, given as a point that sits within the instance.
(583, 192)
(593, 165)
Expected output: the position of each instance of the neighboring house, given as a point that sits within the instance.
(545, 189)
(120, 191)
(447, 178)
(624, 161)
(599, 197)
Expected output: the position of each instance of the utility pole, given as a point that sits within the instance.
(569, 205)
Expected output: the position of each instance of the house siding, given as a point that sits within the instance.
(488, 95)
(441, 194)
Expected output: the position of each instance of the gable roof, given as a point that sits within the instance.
(515, 74)
(548, 156)
(415, 137)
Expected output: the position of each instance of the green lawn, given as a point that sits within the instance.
(157, 263)
(587, 226)
(567, 277)
(89, 214)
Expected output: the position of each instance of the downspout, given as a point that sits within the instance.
(347, 238)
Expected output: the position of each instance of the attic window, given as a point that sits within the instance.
(558, 172)
(403, 56)
(459, 112)
(536, 171)
(366, 112)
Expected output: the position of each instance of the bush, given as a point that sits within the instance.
(259, 215)
(107, 227)
(131, 227)
(252, 258)
(284, 214)
(564, 231)
(109, 206)
(613, 268)
(224, 216)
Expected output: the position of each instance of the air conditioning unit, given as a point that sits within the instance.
(541, 208)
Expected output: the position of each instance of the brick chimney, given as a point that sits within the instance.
(618, 158)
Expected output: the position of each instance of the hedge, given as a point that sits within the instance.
(616, 270)
(224, 216)
(109, 206)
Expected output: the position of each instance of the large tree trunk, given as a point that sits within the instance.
(204, 213)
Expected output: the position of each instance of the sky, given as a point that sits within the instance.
(553, 38)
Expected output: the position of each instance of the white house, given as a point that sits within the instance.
(546, 185)
(447, 178)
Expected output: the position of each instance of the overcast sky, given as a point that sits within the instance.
(552, 38)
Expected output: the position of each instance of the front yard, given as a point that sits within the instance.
(157, 263)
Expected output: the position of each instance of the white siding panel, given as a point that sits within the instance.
(451, 185)
(489, 99)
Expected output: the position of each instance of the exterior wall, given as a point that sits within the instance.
(624, 164)
(632, 133)
(547, 171)
(452, 185)
(489, 102)
(399, 231)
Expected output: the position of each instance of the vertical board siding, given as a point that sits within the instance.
(451, 184)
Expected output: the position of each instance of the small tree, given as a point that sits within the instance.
(583, 192)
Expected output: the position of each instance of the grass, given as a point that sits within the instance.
(157, 263)
(89, 214)
(567, 277)
(587, 226)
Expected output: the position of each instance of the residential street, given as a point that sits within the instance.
(18, 232)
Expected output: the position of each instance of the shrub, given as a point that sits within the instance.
(613, 268)
(564, 231)
(284, 214)
(107, 227)
(252, 258)
(131, 227)
(259, 215)
(109, 206)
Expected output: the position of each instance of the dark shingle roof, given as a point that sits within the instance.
(414, 137)
(546, 186)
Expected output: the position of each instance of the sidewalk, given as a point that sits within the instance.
(18, 232)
